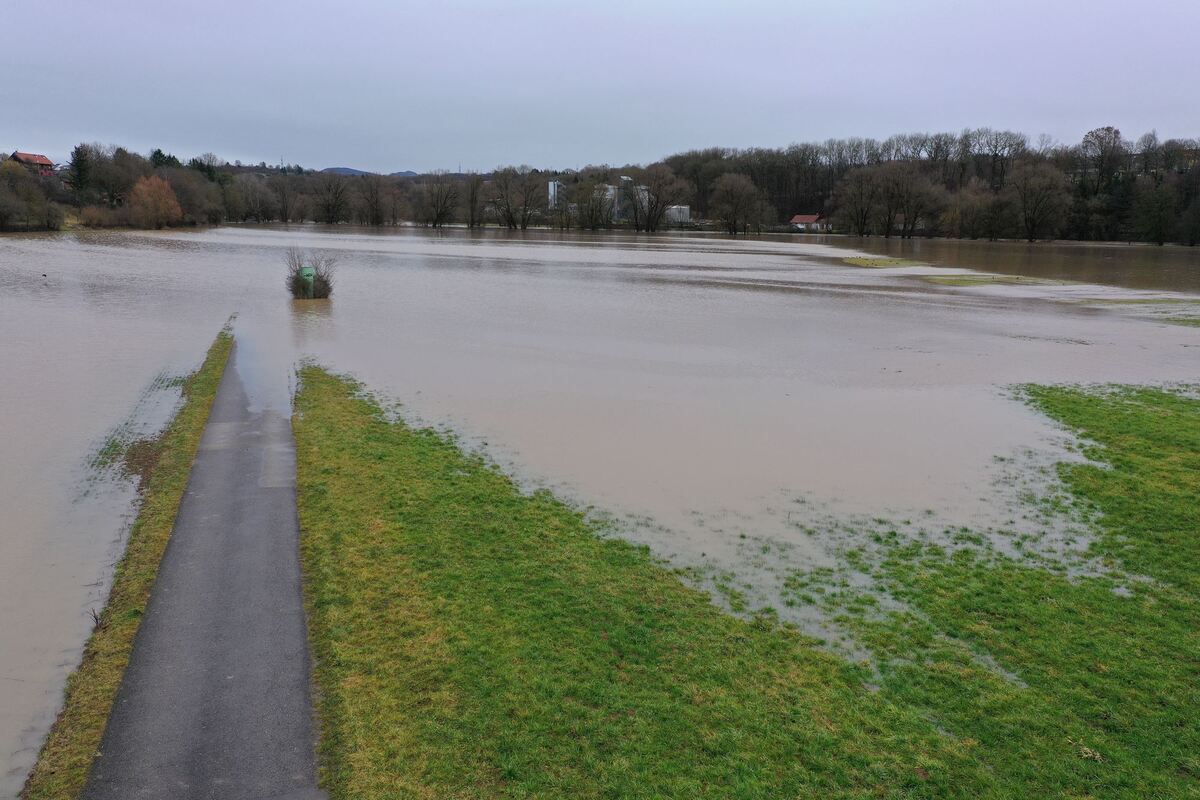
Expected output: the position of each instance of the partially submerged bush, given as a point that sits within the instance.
(152, 204)
(322, 274)
(102, 217)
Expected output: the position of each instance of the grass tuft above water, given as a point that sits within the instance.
(163, 466)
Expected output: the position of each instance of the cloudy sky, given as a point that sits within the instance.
(451, 83)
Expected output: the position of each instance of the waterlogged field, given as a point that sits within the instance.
(850, 448)
(475, 641)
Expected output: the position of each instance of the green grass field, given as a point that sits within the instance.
(879, 262)
(162, 465)
(475, 641)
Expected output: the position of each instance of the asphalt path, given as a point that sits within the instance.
(216, 702)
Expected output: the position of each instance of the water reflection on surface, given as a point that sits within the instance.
(1135, 266)
(700, 389)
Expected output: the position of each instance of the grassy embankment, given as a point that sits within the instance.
(473, 641)
(163, 466)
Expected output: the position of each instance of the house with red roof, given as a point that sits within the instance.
(811, 223)
(35, 162)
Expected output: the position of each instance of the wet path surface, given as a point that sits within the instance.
(215, 702)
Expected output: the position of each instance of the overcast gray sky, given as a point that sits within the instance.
(388, 86)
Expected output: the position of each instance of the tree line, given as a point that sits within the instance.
(979, 183)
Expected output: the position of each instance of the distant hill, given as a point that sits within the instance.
(408, 173)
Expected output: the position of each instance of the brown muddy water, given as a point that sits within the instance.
(1136, 266)
(716, 399)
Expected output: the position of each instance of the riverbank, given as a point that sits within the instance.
(163, 465)
(475, 641)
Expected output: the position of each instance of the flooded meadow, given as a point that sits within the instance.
(741, 407)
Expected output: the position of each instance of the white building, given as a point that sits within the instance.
(556, 194)
(677, 215)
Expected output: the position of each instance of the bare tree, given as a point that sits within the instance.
(332, 197)
(892, 180)
(1040, 196)
(595, 205)
(855, 200)
(518, 195)
(435, 199)
(286, 196)
(472, 196)
(963, 216)
(397, 199)
(372, 193)
(1149, 152)
(1000, 148)
(259, 199)
(737, 202)
(1154, 209)
(1189, 223)
(561, 212)
(531, 195)
(662, 190)
(920, 202)
(503, 196)
(1104, 150)
(634, 199)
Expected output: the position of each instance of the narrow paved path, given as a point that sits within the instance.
(215, 702)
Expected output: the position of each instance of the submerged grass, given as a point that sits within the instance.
(163, 466)
(1077, 687)
(473, 641)
(879, 261)
(987, 279)
(1193, 322)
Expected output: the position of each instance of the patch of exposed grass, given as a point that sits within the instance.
(1084, 687)
(1141, 301)
(473, 641)
(879, 262)
(985, 279)
(1193, 322)
(163, 467)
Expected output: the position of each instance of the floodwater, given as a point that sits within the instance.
(1137, 266)
(705, 392)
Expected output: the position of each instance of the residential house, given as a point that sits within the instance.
(34, 162)
(811, 223)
